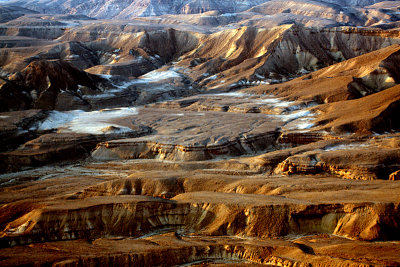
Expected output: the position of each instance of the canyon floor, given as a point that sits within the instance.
(133, 143)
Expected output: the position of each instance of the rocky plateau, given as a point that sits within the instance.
(199, 133)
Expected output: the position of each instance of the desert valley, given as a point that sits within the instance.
(200, 133)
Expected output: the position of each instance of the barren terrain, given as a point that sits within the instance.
(263, 137)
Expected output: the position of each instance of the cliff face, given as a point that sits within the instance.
(276, 54)
(43, 83)
(200, 145)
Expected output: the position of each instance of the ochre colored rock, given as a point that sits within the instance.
(231, 149)
(394, 176)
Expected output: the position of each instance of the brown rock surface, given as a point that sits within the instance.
(49, 78)
(195, 150)
(354, 78)
(47, 85)
(15, 127)
(394, 176)
(216, 204)
(178, 137)
(56, 147)
(361, 93)
(374, 113)
(194, 250)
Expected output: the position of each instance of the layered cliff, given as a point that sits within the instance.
(198, 145)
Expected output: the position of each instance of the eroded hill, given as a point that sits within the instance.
(135, 143)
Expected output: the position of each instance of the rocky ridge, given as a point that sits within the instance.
(160, 146)
(214, 13)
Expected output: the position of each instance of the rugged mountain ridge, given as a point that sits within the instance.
(260, 13)
(133, 8)
(223, 60)
(158, 141)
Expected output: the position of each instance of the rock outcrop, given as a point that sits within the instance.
(361, 94)
(17, 127)
(13, 12)
(395, 176)
(237, 207)
(49, 85)
(156, 141)
(247, 55)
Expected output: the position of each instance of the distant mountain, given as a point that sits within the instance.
(125, 9)
(357, 3)
(8, 13)
(132, 8)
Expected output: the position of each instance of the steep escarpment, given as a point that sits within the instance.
(208, 250)
(128, 218)
(354, 78)
(163, 41)
(270, 53)
(222, 208)
(278, 54)
(232, 57)
(374, 113)
(360, 93)
(201, 145)
(27, 50)
(43, 83)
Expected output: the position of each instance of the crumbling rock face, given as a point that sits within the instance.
(135, 216)
(15, 59)
(184, 141)
(209, 250)
(168, 44)
(267, 54)
(358, 164)
(75, 53)
(370, 113)
(354, 78)
(136, 148)
(226, 59)
(334, 45)
(273, 55)
(58, 147)
(43, 83)
(235, 156)
(40, 74)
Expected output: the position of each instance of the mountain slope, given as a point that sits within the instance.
(132, 8)
(12, 12)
